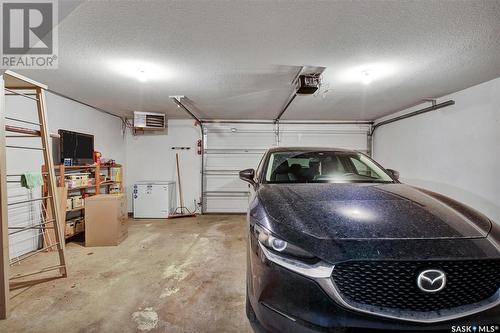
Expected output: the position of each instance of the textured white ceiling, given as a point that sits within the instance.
(235, 59)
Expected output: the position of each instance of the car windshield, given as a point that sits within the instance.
(323, 167)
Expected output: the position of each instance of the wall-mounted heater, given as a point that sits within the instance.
(149, 120)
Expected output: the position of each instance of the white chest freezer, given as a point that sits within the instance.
(154, 199)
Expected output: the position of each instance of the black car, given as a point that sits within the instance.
(335, 240)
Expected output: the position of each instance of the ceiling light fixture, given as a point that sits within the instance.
(143, 71)
(367, 78)
(367, 73)
(141, 76)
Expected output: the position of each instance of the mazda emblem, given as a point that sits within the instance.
(431, 280)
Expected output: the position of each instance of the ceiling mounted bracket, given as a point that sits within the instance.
(432, 100)
(178, 101)
(412, 114)
(292, 95)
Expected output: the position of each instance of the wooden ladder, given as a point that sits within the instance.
(15, 84)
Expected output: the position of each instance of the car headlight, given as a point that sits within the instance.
(290, 256)
(279, 245)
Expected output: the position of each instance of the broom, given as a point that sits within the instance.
(180, 211)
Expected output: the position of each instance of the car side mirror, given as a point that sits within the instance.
(394, 173)
(248, 176)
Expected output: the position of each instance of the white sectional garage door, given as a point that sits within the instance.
(345, 136)
(231, 147)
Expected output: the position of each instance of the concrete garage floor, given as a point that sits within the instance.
(183, 275)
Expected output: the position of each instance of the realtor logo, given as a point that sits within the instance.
(29, 34)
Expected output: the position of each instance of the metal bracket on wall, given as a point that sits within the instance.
(369, 140)
(434, 106)
(433, 101)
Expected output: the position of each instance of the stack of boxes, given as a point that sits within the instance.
(77, 224)
(73, 226)
(74, 202)
(69, 228)
(80, 225)
(76, 180)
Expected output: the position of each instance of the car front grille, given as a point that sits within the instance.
(393, 284)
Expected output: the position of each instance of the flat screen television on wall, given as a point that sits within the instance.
(77, 146)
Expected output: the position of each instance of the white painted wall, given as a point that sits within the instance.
(62, 113)
(454, 151)
(150, 157)
(107, 129)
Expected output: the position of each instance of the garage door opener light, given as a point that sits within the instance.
(367, 78)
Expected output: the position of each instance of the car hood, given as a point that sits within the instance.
(370, 211)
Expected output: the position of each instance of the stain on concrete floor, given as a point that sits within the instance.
(184, 275)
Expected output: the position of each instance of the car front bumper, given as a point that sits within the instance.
(284, 301)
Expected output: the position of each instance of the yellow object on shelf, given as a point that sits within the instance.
(116, 174)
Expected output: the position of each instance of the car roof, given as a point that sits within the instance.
(307, 149)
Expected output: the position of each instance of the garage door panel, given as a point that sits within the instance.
(240, 140)
(232, 161)
(225, 182)
(346, 141)
(337, 136)
(226, 204)
(239, 136)
(231, 147)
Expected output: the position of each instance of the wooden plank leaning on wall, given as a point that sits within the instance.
(4, 237)
(51, 179)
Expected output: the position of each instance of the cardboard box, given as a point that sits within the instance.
(105, 219)
(69, 204)
(70, 183)
(77, 180)
(69, 228)
(77, 201)
(80, 226)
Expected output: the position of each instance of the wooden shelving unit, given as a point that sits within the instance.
(98, 186)
(96, 169)
(74, 234)
(75, 209)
